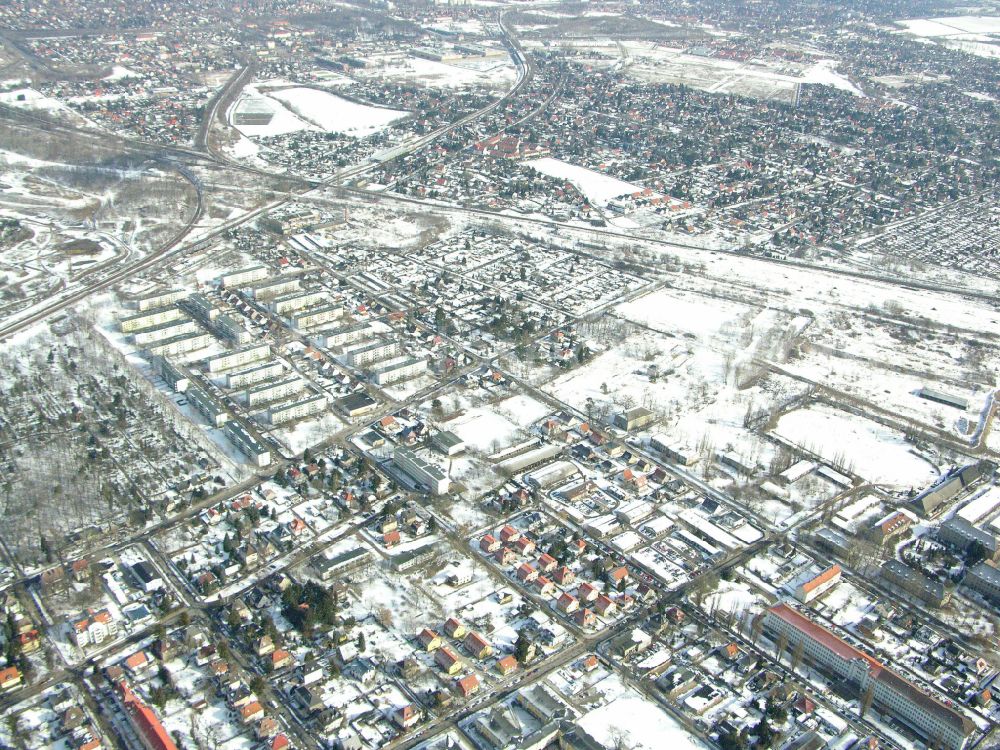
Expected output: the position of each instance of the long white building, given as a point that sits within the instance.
(290, 411)
(238, 358)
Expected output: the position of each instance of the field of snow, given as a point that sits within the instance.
(334, 114)
(492, 428)
(493, 74)
(673, 311)
(877, 453)
(299, 108)
(638, 723)
(952, 25)
(598, 188)
(976, 35)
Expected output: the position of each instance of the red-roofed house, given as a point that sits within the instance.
(508, 534)
(406, 716)
(489, 543)
(476, 645)
(568, 603)
(587, 592)
(526, 573)
(524, 545)
(506, 665)
(429, 640)
(585, 618)
(605, 606)
(453, 628)
(467, 685)
(544, 586)
(547, 563)
(818, 585)
(564, 576)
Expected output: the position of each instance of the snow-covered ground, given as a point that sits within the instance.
(635, 721)
(335, 114)
(871, 450)
(598, 188)
(300, 108)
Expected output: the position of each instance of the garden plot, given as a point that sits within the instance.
(879, 454)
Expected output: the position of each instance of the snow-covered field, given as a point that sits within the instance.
(598, 188)
(977, 35)
(496, 74)
(300, 108)
(634, 721)
(673, 311)
(335, 114)
(877, 453)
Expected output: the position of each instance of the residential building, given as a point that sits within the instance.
(891, 694)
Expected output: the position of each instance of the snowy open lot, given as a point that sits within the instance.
(875, 452)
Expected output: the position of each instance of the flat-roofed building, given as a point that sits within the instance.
(346, 334)
(238, 358)
(160, 299)
(265, 392)
(985, 578)
(173, 375)
(244, 276)
(249, 443)
(183, 344)
(287, 303)
(421, 470)
(400, 368)
(370, 353)
(297, 409)
(254, 374)
(149, 319)
(171, 329)
(209, 406)
(316, 316)
(274, 287)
